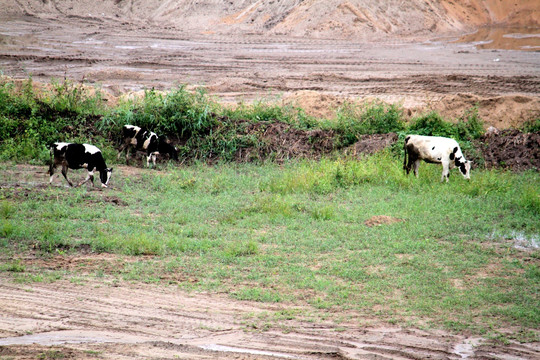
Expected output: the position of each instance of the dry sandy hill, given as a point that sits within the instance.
(358, 19)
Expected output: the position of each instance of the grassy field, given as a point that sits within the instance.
(461, 256)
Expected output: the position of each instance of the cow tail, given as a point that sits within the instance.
(405, 153)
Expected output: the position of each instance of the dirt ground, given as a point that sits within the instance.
(240, 51)
(116, 320)
(315, 54)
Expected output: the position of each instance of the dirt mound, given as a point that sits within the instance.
(369, 144)
(511, 149)
(379, 220)
(281, 141)
(315, 103)
(501, 112)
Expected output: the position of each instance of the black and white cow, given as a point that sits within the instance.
(78, 156)
(437, 150)
(134, 137)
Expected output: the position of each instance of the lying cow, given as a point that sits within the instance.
(78, 156)
(134, 137)
(438, 150)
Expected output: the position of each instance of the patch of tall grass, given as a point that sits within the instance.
(327, 175)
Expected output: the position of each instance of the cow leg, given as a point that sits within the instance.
(90, 177)
(151, 156)
(52, 167)
(416, 165)
(128, 149)
(411, 161)
(445, 172)
(64, 172)
(122, 148)
(407, 166)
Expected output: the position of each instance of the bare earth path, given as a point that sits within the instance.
(154, 322)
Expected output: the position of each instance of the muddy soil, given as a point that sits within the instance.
(511, 149)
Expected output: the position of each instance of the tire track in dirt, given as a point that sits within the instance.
(144, 321)
(120, 57)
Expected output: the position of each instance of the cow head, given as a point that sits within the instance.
(465, 169)
(165, 147)
(174, 153)
(105, 176)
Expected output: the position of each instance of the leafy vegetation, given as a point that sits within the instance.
(30, 120)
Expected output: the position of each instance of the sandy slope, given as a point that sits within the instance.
(358, 19)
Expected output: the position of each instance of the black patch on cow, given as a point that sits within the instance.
(412, 153)
(453, 153)
(457, 161)
(128, 132)
(462, 168)
(433, 148)
(165, 148)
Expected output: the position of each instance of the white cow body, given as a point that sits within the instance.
(435, 149)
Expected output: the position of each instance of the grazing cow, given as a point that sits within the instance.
(78, 156)
(144, 140)
(438, 150)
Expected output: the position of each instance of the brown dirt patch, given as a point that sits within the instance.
(314, 103)
(281, 141)
(511, 149)
(502, 112)
(369, 144)
(119, 320)
(34, 352)
(379, 220)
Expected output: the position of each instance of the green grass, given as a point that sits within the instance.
(295, 233)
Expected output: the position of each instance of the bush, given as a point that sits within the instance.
(531, 126)
(431, 124)
(369, 118)
(467, 128)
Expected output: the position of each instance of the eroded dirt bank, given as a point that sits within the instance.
(107, 320)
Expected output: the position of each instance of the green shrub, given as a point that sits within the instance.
(431, 124)
(531, 126)
(470, 126)
(467, 128)
(354, 120)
